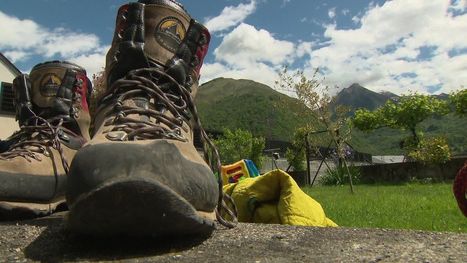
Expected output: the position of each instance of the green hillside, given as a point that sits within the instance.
(386, 141)
(227, 103)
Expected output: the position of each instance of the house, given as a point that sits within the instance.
(8, 72)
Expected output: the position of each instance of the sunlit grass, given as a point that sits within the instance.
(413, 206)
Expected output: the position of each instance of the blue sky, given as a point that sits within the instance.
(397, 46)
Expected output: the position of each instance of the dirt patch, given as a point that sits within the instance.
(46, 240)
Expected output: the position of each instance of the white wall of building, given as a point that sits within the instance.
(8, 125)
(5, 74)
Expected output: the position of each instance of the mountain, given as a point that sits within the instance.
(228, 103)
(357, 97)
(245, 104)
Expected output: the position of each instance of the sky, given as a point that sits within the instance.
(399, 46)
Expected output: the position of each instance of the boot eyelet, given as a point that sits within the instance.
(117, 136)
(118, 105)
(64, 136)
(203, 40)
(180, 120)
(124, 14)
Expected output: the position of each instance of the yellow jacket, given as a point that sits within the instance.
(275, 198)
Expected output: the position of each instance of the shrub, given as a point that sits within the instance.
(432, 150)
(296, 159)
(239, 144)
(339, 176)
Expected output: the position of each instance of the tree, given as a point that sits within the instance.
(98, 83)
(239, 144)
(459, 101)
(406, 114)
(296, 153)
(315, 96)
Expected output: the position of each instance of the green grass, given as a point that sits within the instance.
(429, 207)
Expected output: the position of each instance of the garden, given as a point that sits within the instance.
(349, 200)
(416, 206)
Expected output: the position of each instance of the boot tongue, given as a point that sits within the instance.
(138, 102)
(147, 34)
(52, 90)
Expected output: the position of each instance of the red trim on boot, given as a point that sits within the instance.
(202, 51)
(460, 189)
(121, 19)
(82, 89)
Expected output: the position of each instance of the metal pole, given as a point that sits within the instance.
(322, 161)
(307, 152)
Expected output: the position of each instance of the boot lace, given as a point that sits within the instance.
(172, 97)
(34, 139)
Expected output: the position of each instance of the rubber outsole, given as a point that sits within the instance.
(136, 207)
(10, 211)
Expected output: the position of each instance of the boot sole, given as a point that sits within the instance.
(21, 211)
(136, 207)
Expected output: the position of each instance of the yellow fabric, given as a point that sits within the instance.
(276, 198)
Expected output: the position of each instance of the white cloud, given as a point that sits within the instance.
(93, 62)
(66, 43)
(258, 72)
(285, 2)
(22, 39)
(211, 71)
(230, 17)
(246, 45)
(385, 51)
(459, 5)
(250, 53)
(15, 56)
(303, 49)
(19, 34)
(332, 13)
(356, 19)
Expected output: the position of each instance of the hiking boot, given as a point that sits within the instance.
(141, 175)
(4, 145)
(52, 110)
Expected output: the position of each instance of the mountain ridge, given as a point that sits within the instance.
(249, 105)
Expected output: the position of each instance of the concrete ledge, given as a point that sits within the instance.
(45, 240)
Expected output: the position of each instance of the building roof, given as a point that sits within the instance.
(388, 159)
(10, 65)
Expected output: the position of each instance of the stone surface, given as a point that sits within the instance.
(46, 240)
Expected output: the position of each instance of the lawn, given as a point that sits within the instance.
(412, 206)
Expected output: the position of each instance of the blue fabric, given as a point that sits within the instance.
(252, 170)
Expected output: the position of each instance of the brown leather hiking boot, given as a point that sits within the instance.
(52, 110)
(141, 174)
